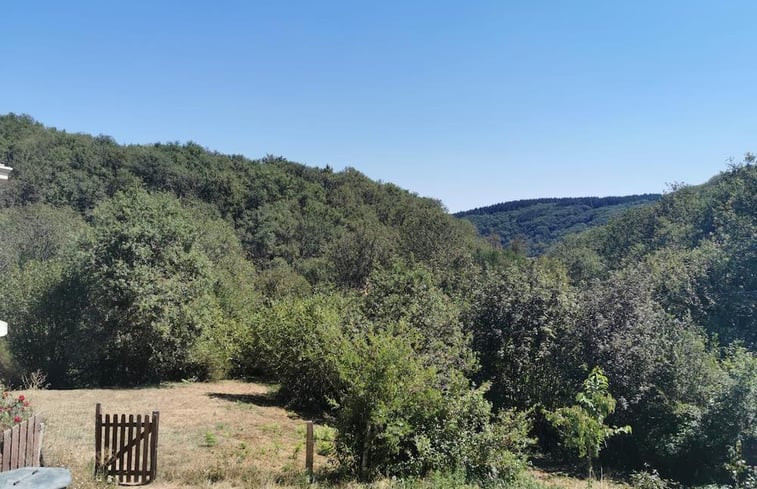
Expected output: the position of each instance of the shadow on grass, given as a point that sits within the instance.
(270, 399)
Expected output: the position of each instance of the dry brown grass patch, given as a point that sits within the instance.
(224, 434)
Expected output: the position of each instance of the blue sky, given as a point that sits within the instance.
(470, 102)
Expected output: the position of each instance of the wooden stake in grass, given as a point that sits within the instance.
(309, 448)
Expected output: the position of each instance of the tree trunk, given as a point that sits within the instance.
(364, 457)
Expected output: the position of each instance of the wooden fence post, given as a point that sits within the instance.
(98, 438)
(309, 449)
(154, 446)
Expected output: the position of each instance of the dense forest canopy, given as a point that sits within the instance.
(698, 243)
(285, 214)
(536, 224)
(630, 345)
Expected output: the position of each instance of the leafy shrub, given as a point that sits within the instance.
(324, 440)
(466, 436)
(408, 298)
(387, 391)
(522, 322)
(150, 288)
(648, 480)
(395, 414)
(300, 341)
(393, 418)
(583, 424)
(209, 439)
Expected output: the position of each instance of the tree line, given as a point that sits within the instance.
(535, 225)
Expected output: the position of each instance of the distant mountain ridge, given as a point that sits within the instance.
(539, 223)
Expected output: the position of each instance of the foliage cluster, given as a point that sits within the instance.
(321, 225)
(400, 406)
(583, 424)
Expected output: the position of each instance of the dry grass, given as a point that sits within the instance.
(561, 481)
(224, 434)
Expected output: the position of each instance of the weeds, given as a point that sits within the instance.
(210, 440)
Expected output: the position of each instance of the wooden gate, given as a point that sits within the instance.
(126, 449)
(22, 444)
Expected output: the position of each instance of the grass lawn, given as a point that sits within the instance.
(220, 435)
(225, 434)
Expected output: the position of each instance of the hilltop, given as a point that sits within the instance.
(539, 223)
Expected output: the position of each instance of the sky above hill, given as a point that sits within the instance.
(472, 103)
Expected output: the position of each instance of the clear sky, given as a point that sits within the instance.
(470, 102)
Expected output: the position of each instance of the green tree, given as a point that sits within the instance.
(387, 392)
(408, 300)
(393, 419)
(522, 320)
(299, 341)
(44, 310)
(583, 425)
(36, 232)
(150, 288)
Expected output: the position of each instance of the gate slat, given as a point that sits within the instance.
(98, 437)
(106, 440)
(30, 441)
(22, 431)
(37, 454)
(154, 445)
(131, 445)
(121, 444)
(6, 450)
(145, 449)
(138, 444)
(114, 442)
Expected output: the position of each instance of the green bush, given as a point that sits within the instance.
(394, 412)
(387, 392)
(393, 418)
(468, 437)
(149, 288)
(648, 480)
(582, 425)
(300, 342)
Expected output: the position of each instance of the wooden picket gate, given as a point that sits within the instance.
(126, 449)
(22, 444)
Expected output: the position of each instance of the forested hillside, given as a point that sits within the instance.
(653, 280)
(536, 224)
(630, 345)
(321, 225)
(698, 244)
